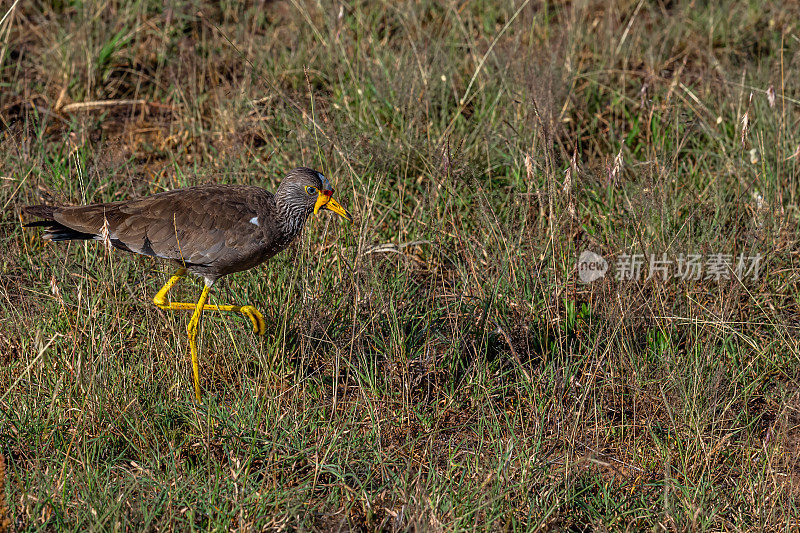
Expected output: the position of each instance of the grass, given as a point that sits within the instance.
(438, 365)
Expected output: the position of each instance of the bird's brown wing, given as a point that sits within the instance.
(209, 225)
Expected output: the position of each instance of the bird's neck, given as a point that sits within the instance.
(291, 218)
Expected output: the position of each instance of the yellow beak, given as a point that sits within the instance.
(326, 202)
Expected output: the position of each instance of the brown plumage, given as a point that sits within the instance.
(209, 230)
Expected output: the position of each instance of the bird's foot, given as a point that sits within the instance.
(255, 316)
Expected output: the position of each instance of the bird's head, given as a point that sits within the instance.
(309, 190)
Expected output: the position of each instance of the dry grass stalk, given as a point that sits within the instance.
(100, 104)
(771, 96)
(5, 515)
(616, 167)
(105, 236)
(746, 121)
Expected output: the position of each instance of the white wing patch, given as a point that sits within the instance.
(254, 220)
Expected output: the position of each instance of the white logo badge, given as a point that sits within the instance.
(591, 266)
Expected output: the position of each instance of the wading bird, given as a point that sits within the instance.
(209, 230)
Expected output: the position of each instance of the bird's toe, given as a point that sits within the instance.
(255, 316)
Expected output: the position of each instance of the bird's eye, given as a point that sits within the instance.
(310, 189)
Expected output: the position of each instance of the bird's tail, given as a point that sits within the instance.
(47, 212)
(54, 231)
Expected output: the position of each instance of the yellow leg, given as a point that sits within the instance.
(160, 299)
(194, 325)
